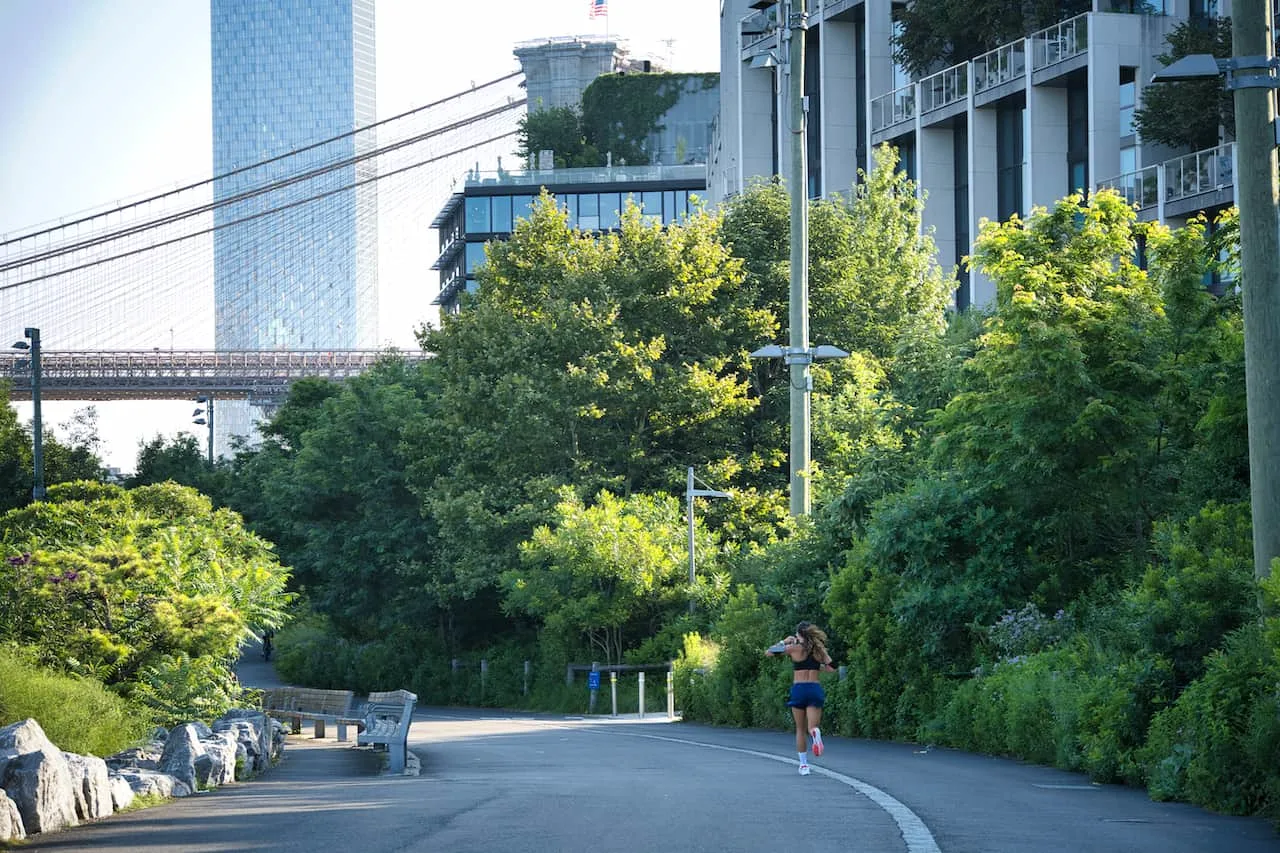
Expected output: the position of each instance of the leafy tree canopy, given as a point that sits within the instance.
(936, 34)
(1193, 114)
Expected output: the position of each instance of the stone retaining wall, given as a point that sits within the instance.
(43, 789)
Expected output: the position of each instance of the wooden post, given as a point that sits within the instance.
(613, 690)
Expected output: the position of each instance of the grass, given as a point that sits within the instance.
(77, 714)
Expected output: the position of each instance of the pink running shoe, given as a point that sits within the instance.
(817, 742)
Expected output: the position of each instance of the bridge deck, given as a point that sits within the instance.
(94, 375)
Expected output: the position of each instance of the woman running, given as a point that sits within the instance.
(807, 649)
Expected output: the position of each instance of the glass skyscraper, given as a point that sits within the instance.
(295, 250)
(295, 242)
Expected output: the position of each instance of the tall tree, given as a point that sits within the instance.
(1194, 114)
(600, 362)
(936, 34)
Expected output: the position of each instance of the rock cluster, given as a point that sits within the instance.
(43, 789)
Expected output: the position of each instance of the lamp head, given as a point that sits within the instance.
(200, 421)
(21, 345)
(1196, 66)
(770, 351)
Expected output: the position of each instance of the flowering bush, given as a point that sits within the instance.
(1024, 632)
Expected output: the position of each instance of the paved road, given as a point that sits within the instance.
(497, 782)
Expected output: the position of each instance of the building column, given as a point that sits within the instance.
(879, 35)
(983, 198)
(935, 154)
(1045, 135)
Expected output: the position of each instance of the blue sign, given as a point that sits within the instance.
(593, 681)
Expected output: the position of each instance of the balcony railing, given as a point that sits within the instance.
(897, 106)
(1005, 63)
(946, 87)
(1061, 41)
(1140, 188)
(1201, 172)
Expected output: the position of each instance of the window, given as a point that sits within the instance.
(478, 220)
(651, 205)
(1008, 161)
(610, 204)
(501, 214)
(569, 203)
(475, 256)
(1128, 94)
(668, 207)
(1128, 159)
(589, 212)
(1077, 139)
(521, 206)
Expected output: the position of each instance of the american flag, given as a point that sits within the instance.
(598, 8)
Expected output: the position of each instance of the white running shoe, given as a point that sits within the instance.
(804, 769)
(817, 742)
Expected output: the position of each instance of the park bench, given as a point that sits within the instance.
(321, 707)
(386, 723)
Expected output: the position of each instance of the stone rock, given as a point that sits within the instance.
(154, 783)
(36, 777)
(261, 739)
(41, 785)
(11, 828)
(121, 792)
(220, 758)
(147, 757)
(180, 754)
(94, 798)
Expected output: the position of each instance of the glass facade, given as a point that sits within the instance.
(295, 252)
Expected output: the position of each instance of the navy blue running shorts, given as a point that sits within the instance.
(806, 694)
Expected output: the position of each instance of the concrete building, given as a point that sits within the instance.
(558, 69)
(997, 134)
(291, 75)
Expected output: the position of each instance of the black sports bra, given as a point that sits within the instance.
(807, 663)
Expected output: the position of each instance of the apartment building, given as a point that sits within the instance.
(998, 134)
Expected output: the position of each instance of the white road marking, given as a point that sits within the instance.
(916, 835)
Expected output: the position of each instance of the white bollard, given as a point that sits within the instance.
(642, 695)
(671, 695)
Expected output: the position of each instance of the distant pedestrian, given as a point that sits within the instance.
(807, 648)
(268, 644)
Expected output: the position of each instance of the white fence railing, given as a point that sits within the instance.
(1005, 63)
(897, 106)
(1061, 41)
(1201, 172)
(946, 87)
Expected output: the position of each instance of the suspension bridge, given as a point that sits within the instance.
(124, 295)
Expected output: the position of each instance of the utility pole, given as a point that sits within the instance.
(1257, 194)
(37, 428)
(799, 358)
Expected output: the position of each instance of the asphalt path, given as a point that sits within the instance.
(502, 782)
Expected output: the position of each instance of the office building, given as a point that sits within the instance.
(1000, 133)
(490, 204)
(295, 250)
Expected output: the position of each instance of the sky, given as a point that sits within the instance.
(104, 100)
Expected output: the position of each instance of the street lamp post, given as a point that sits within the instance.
(1251, 76)
(37, 428)
(689, 494)
(798, 361)
(208, 401)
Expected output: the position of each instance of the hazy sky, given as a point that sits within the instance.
(106, 99)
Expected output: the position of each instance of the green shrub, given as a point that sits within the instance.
(1217, 745)
(78, 714)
